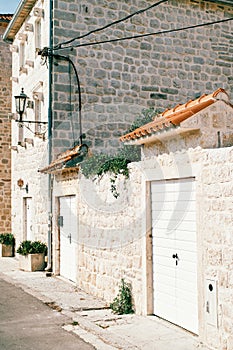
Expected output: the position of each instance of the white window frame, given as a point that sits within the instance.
(37, 111)
(38, 36)
(20, 133)
(22, 55)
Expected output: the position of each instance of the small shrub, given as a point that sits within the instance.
(146, 116)
(122, 304)
(101, 163)
(7, 239)
(29, 247)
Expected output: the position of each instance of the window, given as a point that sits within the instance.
(38, 116)
(37, 95)
(21, 55)
(20, 134)
(38, 35)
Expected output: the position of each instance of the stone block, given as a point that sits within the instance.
(32, 262)
(6, 250)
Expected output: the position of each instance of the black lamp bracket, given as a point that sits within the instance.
(31, 121)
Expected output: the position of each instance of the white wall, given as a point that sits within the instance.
(27, 160)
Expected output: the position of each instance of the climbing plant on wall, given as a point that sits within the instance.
(101, 163)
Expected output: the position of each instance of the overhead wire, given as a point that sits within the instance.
(58, 46)
(147, 34)
(68, 59)
(85, 44)
(70, 103)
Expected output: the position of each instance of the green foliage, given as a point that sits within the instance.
(7, 239)
(29, 247)
(146, 117)
(101, 163)
(91, 165)
(123, 304)
(115, 165)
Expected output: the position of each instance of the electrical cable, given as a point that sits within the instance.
(58, 46)
(67, 58)
(147, 34)
(71, 114)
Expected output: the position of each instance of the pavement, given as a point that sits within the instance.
(92, 319)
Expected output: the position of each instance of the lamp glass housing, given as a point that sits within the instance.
(20, 102)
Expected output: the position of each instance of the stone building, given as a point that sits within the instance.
(120, 78)
(96, 239)
(5, 129)
(26, 35)
(169, 231)
(187, 174)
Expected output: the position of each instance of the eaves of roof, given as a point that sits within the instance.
(223, 2)
(5, 17)
(69, 159)
(170, 119)
(21, 13)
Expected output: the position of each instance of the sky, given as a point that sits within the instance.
(8, 6)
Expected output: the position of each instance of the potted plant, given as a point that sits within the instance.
(32, 255)
(7, 244)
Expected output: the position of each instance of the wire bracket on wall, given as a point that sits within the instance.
(45, 54)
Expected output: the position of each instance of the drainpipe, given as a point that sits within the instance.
(50, 179)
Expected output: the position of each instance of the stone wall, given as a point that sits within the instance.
(216, 204)
(32, 153)
(119, 79)
(212, 169)
(5, 134)
(30, 159)
(109, 243)
(112, 233)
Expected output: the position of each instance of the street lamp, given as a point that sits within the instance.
(20, 102)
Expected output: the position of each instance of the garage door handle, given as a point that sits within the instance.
(175, 256)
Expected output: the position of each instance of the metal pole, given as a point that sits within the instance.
(50, 187)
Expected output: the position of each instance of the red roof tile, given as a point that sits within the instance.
(66, 160)
(6, 17)
(171, 118)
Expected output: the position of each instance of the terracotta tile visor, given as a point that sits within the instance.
(173, 117)
(62, 160)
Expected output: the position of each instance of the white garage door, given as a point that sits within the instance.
(68, 237)
(175, 252)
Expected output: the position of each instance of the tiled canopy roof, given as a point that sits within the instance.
(171, 118)
(66, 160)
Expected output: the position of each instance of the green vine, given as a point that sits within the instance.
(146, 117)
(101, 163)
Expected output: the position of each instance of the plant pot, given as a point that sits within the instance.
(32, 262)
(6, 250)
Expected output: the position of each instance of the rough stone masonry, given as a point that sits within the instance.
(5, 131)
(119, 79)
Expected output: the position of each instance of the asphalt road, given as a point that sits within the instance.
(28, 324)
